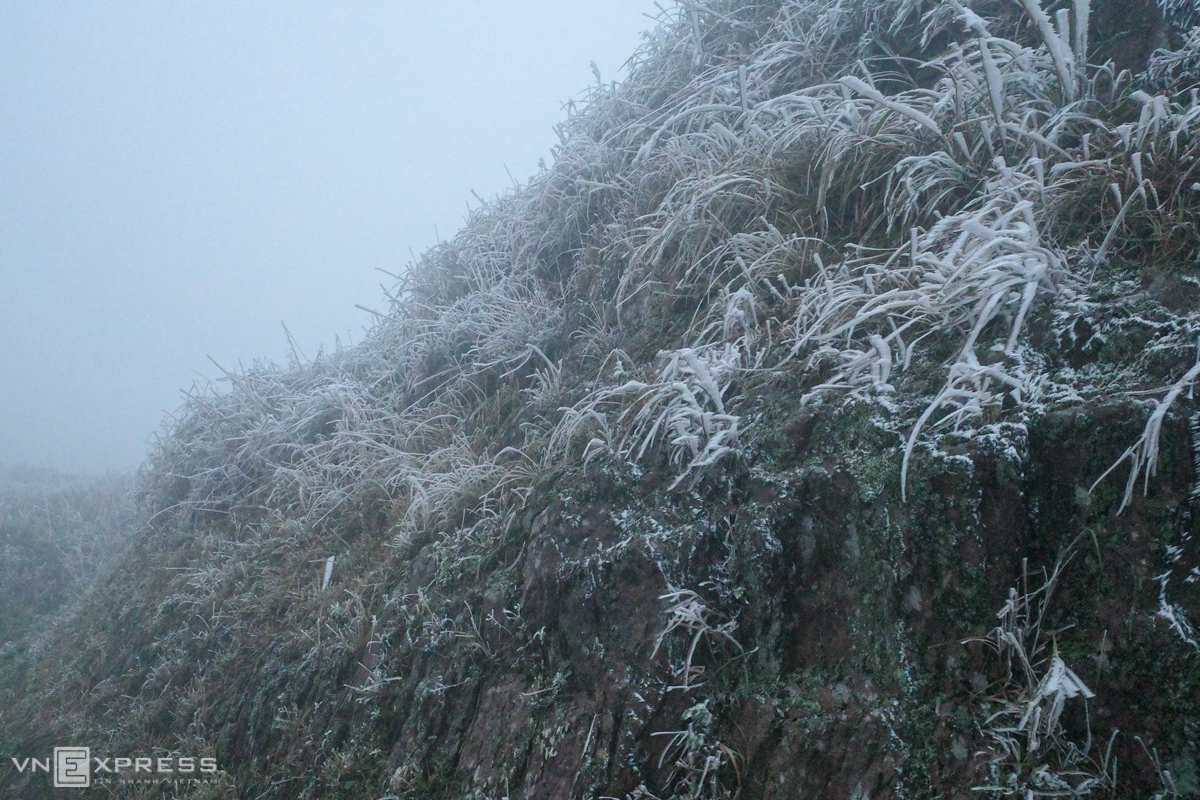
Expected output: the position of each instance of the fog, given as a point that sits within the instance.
(179, 181)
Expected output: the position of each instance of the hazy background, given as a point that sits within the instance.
(178, 179)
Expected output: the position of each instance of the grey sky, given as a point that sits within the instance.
(177, 179)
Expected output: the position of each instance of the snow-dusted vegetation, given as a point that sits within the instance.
(930, 232)
(777, 196)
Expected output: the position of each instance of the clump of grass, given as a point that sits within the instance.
(692, 615)
(1030, 753)
(701, 764)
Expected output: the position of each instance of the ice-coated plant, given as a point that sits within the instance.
(1029, 752)
(690, 614)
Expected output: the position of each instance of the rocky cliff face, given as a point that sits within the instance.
(819, 425)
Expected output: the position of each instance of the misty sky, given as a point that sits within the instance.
(178, 179)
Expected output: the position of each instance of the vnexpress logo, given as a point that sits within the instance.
(77, 768)
(72, 767)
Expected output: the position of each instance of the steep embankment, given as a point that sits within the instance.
(704, 464)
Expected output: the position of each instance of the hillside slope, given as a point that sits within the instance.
(820, 424)
(58, 533)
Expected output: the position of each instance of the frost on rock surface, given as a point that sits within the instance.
(699, 466)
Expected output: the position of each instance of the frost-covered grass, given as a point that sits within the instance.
(803, 202)
(842, 191)
(1030, 754)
